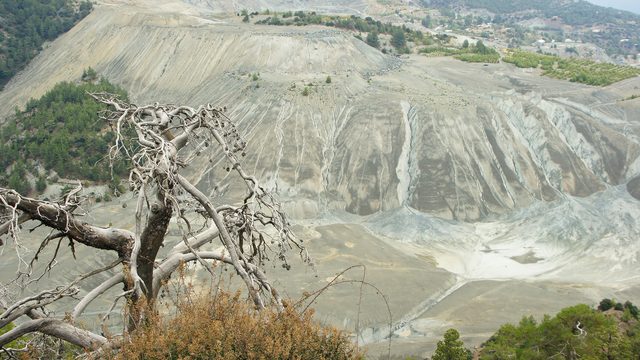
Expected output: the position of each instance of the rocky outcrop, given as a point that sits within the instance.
(633, 187)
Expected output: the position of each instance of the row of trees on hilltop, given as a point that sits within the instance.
(400, 35)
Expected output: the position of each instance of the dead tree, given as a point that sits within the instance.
(159, 140)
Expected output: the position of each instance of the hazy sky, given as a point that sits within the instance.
(630, 5)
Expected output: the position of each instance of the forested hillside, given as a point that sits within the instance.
(26, 24)
(60, 132)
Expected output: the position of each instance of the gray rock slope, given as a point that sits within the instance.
(455, 140)
(334, 6)
(503, 178)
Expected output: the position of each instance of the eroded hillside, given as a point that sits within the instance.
(439, 136)
(415, 149)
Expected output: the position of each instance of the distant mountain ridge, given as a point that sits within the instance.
(619, 4)
(573, 12)
(615, 31)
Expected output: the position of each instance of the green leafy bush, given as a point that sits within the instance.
(575, 332)
(373, 40)
(451, 348)
(477, 53)
(606, 304)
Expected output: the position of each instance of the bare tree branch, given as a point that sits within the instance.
(61, 218)
(56, 328)
(226, 239)
(198, 241)
(22, 307)
(95, 293)
(158, 141)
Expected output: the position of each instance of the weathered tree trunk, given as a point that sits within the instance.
(152, 239)
(161, 131)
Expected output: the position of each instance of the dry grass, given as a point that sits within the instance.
(226, 327)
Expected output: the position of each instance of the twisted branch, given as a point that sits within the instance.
(159, 141)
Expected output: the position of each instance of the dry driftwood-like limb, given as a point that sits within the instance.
(95, 293)
(159, 141)
(56, 328)
(61, 218)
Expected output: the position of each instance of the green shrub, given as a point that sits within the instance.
(632, 309)
(479, 58)
(606, 304)
(398, 39)
(575, 332)
(89, 74)
(441, 51)
(41, 184)
(373, 40)
(451, 348)
(478, 53)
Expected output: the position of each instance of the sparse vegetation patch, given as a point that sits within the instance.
(576, 70)
(476, 53)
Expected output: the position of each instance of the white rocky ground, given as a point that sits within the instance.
(474, 194)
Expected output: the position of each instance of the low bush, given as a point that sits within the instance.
(226, 327)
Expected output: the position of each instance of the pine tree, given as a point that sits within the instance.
(372, 39)
(398, 40)
(451, 348)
